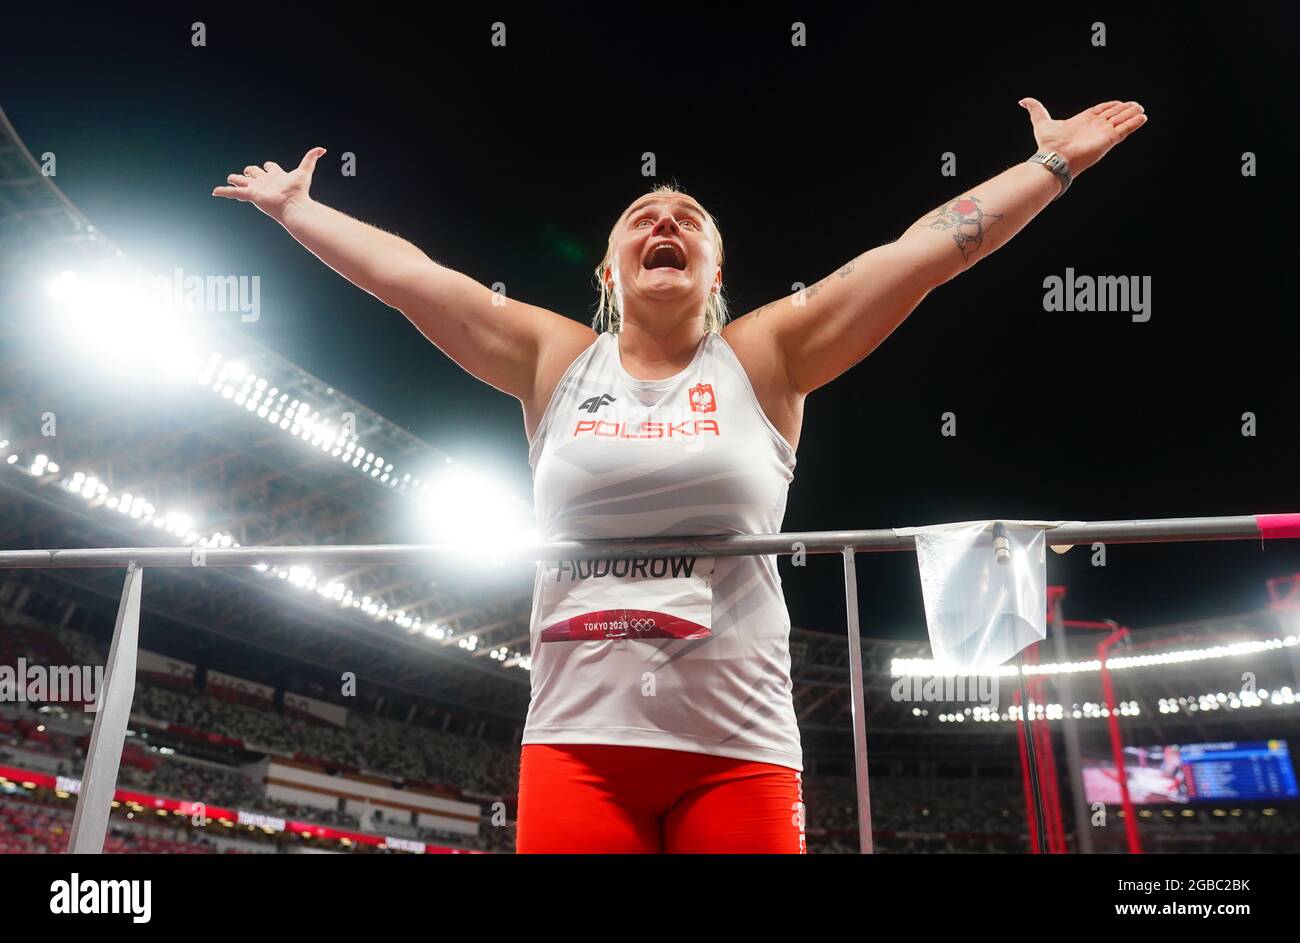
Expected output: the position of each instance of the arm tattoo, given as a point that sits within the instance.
(843, 272)
(811, 291)
(968, 219)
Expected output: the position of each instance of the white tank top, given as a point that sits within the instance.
(690, 653)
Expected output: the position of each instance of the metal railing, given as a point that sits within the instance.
(99, 777)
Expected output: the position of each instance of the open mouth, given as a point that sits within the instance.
(665, 255)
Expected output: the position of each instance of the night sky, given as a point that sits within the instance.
(510, 164)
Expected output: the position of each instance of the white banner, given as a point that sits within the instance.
(148, 662)
(223, 683)
(338, 716)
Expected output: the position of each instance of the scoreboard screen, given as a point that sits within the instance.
(1196, 772)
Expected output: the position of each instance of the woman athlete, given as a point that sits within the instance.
(661, 717)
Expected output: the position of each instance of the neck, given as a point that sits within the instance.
(656, 352)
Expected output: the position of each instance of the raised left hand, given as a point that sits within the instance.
(1084, 139)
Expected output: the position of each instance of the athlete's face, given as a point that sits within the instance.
(665, 249)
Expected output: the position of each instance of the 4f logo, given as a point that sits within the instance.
(702, 400)
(593, 404)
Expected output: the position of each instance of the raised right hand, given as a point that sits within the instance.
(270, 187)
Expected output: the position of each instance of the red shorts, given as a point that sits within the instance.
(598, 799)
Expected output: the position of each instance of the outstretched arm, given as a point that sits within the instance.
(817, 334)
(506, 343)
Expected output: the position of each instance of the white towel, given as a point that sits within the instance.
(980, 612)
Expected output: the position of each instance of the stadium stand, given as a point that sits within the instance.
(976, 808)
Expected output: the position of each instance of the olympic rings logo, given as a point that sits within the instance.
(620, 628)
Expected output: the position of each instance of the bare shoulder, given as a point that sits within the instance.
(755, 345)
(563, 342)
(752, 340)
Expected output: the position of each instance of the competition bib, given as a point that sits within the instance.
(665, 597)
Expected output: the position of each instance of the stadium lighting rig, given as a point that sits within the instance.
(926, 667)
(1202, 703)
(180, 525)
(1283, 696)
(1227, 700)
(126, 325)
(1013, 714)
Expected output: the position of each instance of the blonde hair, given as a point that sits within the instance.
(610, 318)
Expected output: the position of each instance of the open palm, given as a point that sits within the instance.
(1084, 139)
(270, 187)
